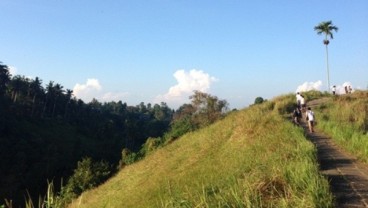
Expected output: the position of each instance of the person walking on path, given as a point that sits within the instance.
(296, 116)
(350, 89)
(334, 90)
(302, 103)
(311, 120)
(298, 100)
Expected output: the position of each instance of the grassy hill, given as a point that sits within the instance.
(345, 119)
(253, 158)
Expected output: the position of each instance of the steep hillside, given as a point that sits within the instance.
(252, 158)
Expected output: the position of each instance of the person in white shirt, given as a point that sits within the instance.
(298, 99)
(334, 90)
(310, 118)
(302, 103)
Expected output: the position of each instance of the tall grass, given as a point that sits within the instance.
(252, 158)
(345, 118)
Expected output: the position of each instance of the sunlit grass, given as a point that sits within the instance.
(252, 158)
(345, 119)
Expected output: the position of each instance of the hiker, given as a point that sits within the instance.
(346, 89)
(334, 90)
(302, 103)
(298, 97)
(296, 116)
(350, 89)
(310, 118)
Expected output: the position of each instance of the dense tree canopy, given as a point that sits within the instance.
(4, 78)
(45, 131)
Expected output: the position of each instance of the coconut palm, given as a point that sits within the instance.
(326, 28)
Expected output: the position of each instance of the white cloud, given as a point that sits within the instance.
(340, 89)
(307, 86)
(93, 89)
(187, 82)
(114, 96)
(87, 91)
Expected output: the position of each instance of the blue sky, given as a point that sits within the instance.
(161, 50)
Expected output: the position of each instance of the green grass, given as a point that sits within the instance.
(345, 119)
(252, 158)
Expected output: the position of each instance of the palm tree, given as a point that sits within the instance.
(4, 78)
(326, 28)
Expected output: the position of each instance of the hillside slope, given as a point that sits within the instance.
(252, 158)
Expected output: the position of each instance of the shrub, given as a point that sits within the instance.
(128, 157)
(86, 176)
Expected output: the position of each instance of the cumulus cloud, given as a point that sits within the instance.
(307, 86)
(93, 89)
(187, 82)
(87, 91)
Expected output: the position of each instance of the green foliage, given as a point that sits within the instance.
(207, 108)
(284, 104)
(326, 28)
(87, 175)
(50, 200)
(151, 145)
(251, 158)
(4, 78)
(313, 94)
(204, 110)
(45, 131)
(179, 128)
(345, 118)
(128, 157)
(258, 100)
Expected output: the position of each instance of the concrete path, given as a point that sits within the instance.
(348, 177)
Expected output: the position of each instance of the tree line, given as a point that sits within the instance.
(45, 131)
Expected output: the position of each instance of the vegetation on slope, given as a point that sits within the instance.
(252, 158)
(46, 132)
(345, 119)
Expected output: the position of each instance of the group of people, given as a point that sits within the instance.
(300, 109)
(348, 89)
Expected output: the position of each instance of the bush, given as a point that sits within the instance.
(128, 157)
(86, 176)
(150, 145)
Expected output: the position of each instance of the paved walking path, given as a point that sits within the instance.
(348, 177)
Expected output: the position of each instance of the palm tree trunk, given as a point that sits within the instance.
(328, 70)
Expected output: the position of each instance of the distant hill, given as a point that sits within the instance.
(252, 158)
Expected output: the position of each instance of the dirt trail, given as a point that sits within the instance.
(348, 177)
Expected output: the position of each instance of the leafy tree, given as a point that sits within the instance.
(203, 110)
(258, 100)
(58, 93)
(4, 78)
(327, 29)
(128, 157)
(87, 175)
(18, 86)
(207, 108)
(36, 91)
(45, 131)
